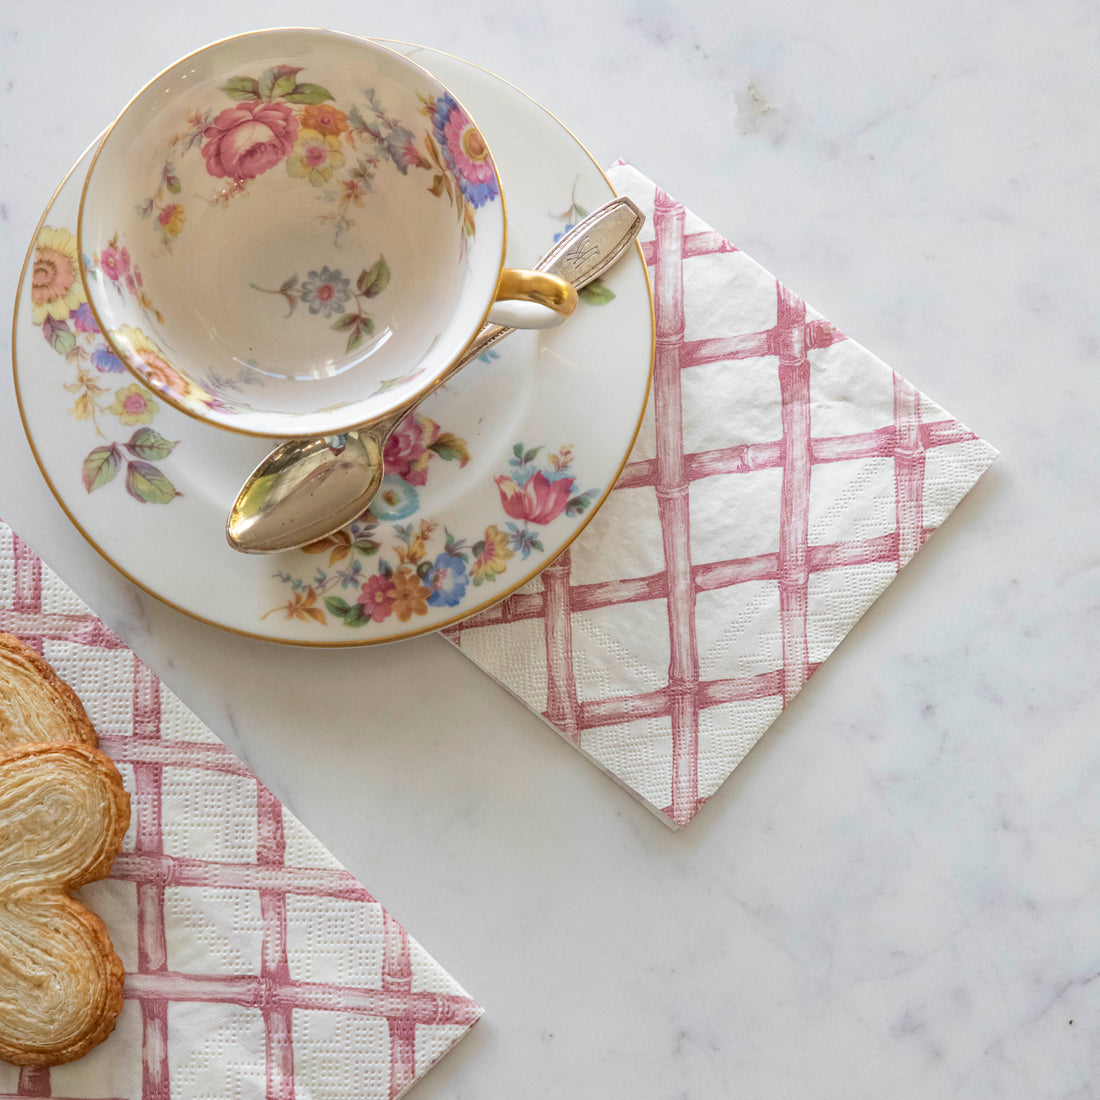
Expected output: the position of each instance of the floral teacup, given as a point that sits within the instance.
(291, 232)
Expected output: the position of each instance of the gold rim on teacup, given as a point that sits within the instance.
(292, 231)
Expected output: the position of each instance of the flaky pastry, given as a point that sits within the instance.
(35, 703)
(63, 814)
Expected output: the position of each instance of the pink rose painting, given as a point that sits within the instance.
(409, 448)
(245, 141)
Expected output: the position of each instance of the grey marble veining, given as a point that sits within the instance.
(896, 895)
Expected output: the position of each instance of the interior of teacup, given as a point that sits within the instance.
(291, 231)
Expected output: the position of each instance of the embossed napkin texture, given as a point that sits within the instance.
(782, 478)
(255, 964)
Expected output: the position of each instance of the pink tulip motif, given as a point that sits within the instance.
(537, 494)
(538, 500)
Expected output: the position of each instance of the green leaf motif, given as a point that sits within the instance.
(352, 614)
(308, 93)
(63, 342)
(596, 294)
(388, 384)
(146, 443)
(173, 184)
(146, 483)
(578, 504)
(58, 334)
(279, 82)
(337, 606)
(366, 547)
(101, 466)
(242, 87)
(355, 324)
(374, 280)
(451, 448)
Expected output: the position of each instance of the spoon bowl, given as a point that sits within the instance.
(291, 497)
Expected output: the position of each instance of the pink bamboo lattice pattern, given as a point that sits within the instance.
(783, 476)
(256, 965)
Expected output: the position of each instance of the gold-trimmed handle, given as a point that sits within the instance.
(532, 299)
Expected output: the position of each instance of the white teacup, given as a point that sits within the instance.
(291, 232)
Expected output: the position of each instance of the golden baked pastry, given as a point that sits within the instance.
(35, 703)
(63, 814)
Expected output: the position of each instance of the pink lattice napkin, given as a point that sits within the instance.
(255, 964)
(782, 478)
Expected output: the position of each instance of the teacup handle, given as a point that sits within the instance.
(531, 299)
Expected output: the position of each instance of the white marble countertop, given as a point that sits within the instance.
(896, 894)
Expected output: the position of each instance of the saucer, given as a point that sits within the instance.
(486, 484)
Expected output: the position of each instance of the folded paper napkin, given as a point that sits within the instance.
(255, 964)
(782, 478)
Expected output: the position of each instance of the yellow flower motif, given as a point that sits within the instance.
(134, 404)
(56, 289)
(417, 548)
(88, 392)
(315, 157)
(493, 559)
(149, 361)
(171, 219)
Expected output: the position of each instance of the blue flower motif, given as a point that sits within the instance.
(523, 540)
(351, 577)
(558, 236)
(398, 144)
(396, 499)
(464, 151)
(448, 581)
(105, 360)
(326, 291)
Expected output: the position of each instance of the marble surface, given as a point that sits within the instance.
(896, 894)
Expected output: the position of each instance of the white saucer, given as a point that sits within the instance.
(547, 423)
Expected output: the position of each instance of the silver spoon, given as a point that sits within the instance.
(309, 488)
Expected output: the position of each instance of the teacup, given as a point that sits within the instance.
(291, 232)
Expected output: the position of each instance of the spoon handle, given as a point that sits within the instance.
(581, 256)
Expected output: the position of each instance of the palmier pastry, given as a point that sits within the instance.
(63, 814)
(35, 703)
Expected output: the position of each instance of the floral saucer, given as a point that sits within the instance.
(486, 483)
